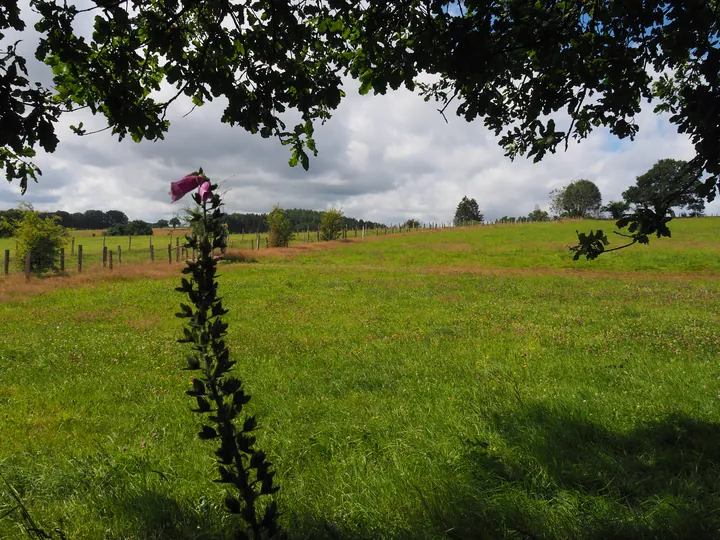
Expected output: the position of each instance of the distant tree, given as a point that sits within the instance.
(115, 217)
(331, 224)
(136, 227)
(161, 223)
(43, 237)
(576, 200)
(657, 189)
(174, 222)
(468, 210)
(95, 219)
(411, 223)
(280, 229)
(538, 215)
(616, 209)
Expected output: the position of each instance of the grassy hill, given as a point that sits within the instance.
(457, 384)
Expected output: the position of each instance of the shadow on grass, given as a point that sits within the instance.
(568, 477)
(154, 515)
(563, 476)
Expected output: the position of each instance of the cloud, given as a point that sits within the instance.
(383, 158)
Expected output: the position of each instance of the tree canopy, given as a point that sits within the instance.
(657, 188)
(539, 74)
(576, 200)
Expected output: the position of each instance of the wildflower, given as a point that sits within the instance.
(185, 185)
(204, 191)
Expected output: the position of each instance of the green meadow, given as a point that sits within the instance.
(469, 383)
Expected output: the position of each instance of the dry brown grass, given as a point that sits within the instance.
(15, 287)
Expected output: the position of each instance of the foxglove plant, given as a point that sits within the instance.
(218, 394)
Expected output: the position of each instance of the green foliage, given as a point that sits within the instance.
(43, 237)
(280, 229)
(616, 209)
(218, 394)
(162, 223)
(7, 229)
(331, 224)
(669, 183)
(576, 200)
(174, 222)
(538, 215)
(467, 210)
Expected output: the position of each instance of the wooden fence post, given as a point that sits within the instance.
(104, 240)
(177, 249)
(110, 258)
(129, 243)
(62, 259)
(119, 255)
(7, 262)
(152, 253)
(79, 258)
(170, 253)
(72, 246)
(28, 260)
(104, 256)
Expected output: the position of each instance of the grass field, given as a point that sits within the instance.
(456, 384)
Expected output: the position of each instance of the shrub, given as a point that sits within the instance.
(280, 229)
(331, 224)
(43, 237)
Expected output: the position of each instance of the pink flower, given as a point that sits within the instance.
(204, 191)
(184, 186)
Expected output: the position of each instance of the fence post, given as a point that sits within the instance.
(170, 253)
(28, 259)
(7, 262)
(177, 249)
(104, 240)
(129, 243)
(72, 246)
(62, 259)
(119, 255)
(104, 255)
(110, 260)
(79, 258)
(152, 253)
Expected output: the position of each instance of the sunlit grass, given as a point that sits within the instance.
(397, 399)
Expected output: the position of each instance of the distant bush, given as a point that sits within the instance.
(280, 229)
(43, 237)
(331, 224)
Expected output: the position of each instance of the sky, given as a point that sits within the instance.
(381, 158)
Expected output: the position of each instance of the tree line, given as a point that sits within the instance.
(655, 190)
(300, 220)
(117, 223)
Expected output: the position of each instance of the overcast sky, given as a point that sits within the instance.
(381, 158)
